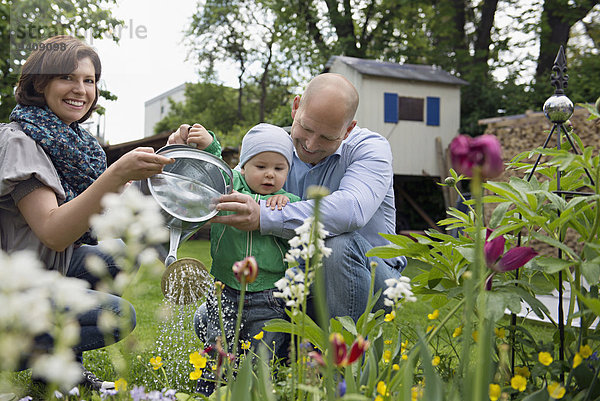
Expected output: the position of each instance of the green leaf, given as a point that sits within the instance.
(262, 382)
(592, 303)
(312, 331)
(433, 389)
(555, 243)
(348, 324)
(591, 270)
(242, 385)
(550, 265)
(388, 251)
(540, 395)
(499, 213)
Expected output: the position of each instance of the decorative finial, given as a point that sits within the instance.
(559, 108)
(559, 76)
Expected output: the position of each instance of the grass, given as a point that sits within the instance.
(166, 332)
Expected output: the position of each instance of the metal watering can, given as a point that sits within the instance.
(186, 192)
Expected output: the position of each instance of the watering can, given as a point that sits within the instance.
(187, 191)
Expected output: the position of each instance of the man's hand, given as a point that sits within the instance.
(247, 212)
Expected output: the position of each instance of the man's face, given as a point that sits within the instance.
(317, 131)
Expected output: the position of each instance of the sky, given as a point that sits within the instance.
(150, 59)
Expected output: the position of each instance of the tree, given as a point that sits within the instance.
(26, 23)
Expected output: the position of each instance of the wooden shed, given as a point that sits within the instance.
(410, 105)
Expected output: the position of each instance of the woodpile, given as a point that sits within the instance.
(528, 131)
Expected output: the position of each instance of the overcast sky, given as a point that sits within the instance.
(149, 60)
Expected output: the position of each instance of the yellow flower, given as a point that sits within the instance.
(390, 316)
(387, 356)
(585, 351)
(396, 366)
(577, 359)
(475, 335)
(415, 393)
(457, 332)
(435, 361)
(518, 382)
(500, 332)
(379, 398)
(556, 390)
(245, 344)
(259, 336)
(156, 362)
(404, 357)
(381, 388)
(494, 392)
(429, 328)
(121, 384)
(199, 361)
(434, 315)
(196, 374)
(523, 371)
(387, 342)
(545, 358)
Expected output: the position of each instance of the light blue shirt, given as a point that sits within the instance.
(360, 179)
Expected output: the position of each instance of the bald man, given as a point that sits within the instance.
(355, 164)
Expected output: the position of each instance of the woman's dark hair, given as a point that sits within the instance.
(56, 56)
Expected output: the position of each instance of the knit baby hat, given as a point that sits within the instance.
(266, 138)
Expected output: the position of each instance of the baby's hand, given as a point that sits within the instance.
(199, 136)
(278, 201)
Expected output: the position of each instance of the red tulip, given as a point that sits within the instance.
(500, 262)
(339, 349)
(247, 268)
(358, 348)
(483, 151)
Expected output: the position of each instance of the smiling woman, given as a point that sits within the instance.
(53, 176)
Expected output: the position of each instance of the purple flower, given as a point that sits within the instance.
(483, 151)
(138, 393)
(246, 270)
(498, 261)
(341, 388)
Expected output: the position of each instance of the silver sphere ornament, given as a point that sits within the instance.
(558, 108)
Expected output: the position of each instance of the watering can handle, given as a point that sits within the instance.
(229, 187)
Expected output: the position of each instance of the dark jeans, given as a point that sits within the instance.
(90, 336)
(259, 308)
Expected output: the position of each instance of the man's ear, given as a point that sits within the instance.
(295, 105)
(350, 128)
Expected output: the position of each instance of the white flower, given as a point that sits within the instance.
(60, 368)
(398, 289)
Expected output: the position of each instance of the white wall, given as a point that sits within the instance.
(412, 142)
(158, 107)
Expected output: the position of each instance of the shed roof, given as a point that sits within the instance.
(412, 72)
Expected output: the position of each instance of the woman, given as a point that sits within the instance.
(53, 175)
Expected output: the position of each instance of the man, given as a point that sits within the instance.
(355, 164)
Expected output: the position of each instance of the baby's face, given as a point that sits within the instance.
(266, 172)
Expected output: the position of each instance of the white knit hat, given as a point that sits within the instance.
(266, 138)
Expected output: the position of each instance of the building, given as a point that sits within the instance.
(411, 105)
(158, 107)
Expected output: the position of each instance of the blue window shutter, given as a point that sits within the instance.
(390, 107)
(433, 111)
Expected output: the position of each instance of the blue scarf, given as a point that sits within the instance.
(75, 153)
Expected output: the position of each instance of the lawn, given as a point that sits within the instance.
(167, 331)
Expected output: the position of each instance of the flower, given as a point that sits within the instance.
(398, 289)
(577, 359)
(494, 392)
(434, 315)
(387, 356)
(500, 332)
(358, 348)
(198, 360)
(556, 390)
(499, 262)
(435, 361)
(416, 392)
(259, 336)
(245, 345)
(339, 348)
(523, 371)
(292, 287)
(396, 366)
(483, 152)
(390, 316)
(341, 388)
(545, 358)
(381, 388)
(245, 270)
(429, 328)
(585, 351)
(196, 374)
(457, 332)
(475, 335)
(518, 382)
(156, 362)
(121, 385)
(138, 393)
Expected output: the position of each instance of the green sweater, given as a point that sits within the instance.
(229, 245)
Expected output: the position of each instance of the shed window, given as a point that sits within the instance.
(410, 108)
(433, 111)
(390, 107)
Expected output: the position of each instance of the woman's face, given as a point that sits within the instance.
(71, 96)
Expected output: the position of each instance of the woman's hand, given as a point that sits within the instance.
(138, 164)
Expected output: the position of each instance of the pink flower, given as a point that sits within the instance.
(500, 262)
(246, 269)
(483, 151)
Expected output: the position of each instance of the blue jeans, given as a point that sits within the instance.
(90, 335)
(347, 274)
(259, 308)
